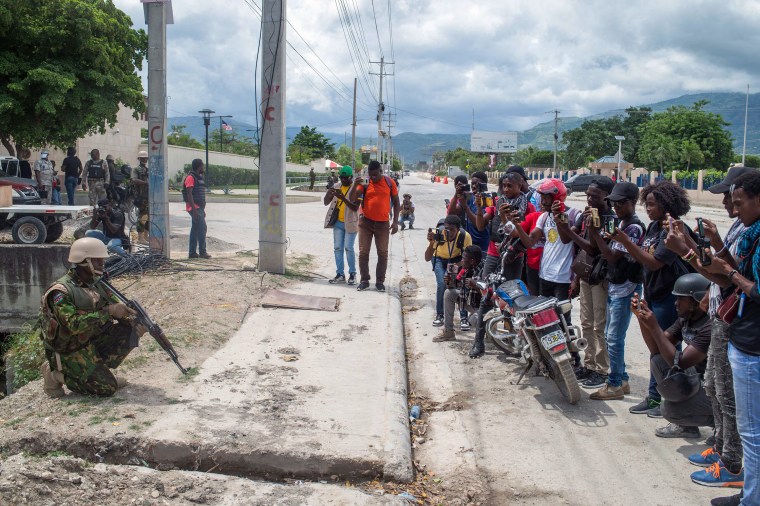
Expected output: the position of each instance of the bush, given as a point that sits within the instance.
(24, 354)
(224, 175)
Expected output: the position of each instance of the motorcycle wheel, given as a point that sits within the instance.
(563, 375)
(500, 337)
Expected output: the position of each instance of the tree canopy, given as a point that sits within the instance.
(65, 68)
(681, 129)
(178, 137)
(309, 144)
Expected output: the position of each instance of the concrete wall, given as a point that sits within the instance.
(25, 273)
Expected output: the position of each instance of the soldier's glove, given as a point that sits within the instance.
(119, 311)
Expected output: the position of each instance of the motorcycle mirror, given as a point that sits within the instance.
(565, 306)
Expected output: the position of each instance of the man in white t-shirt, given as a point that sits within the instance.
(554, 274)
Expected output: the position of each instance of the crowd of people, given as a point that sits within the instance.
(693, 292)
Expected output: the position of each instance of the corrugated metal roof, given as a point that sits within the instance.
(610, 159)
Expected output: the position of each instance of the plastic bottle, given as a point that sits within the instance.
(415, 412)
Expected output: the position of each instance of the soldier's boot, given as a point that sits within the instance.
(53, 381)
(121, 381)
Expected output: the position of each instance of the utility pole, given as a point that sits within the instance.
(380, 109)
(556, 135)
(158, 13)
(353, 132)
(272, 231)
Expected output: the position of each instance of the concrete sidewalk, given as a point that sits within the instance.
(294, 392)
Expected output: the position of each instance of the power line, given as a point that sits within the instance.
(377, 31)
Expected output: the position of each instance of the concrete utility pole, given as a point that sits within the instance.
(556, 136)
(353, 133)
(158, 13)
(380, 110)
(272, 152)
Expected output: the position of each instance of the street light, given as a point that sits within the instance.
(620, 140)
(206, 122)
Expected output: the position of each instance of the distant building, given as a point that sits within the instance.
(608, 165)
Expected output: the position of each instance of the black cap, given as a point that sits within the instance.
(603, 183)
(624, 191)
(103, 202)
(725, 185)
(517, 170)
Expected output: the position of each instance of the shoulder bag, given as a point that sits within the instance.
(679, 385)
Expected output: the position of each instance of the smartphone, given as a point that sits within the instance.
(610, 225)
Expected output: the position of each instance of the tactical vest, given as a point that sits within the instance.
(96, 171)
(199, 190)
(55, 336)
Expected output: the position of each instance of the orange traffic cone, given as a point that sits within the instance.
(437, 179)
(446, 180)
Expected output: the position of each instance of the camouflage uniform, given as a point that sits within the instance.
(141, 197)
(81, 339)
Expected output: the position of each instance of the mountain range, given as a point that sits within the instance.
(413, 147)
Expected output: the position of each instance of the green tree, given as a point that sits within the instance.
(65, 68)
(343, 155)
(690, 153)
(178, 137)
(659, 150)
(678, 124)
(749, 160)
(312, 145)
(232, 143)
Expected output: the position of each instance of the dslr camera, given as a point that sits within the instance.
(438, 235)
(482, 188)
(102, 212)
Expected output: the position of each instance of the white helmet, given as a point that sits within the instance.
(86, 248)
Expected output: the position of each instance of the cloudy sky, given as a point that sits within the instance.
(509, 61)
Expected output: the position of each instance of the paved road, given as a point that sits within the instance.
(524, 444)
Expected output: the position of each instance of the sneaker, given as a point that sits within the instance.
(675, 430)
(464, 326)
(595, 380)
(706, 458)
(339, 278)
(644, 406)
(204, 255)
(363, 286)
(380, 287)
(402, 226)
(731, 500)
(607, 393)
(655, 412)
(352, 279)
(411, 227)
(445, 335)
(192, 255)
(626, 387)
(438, 320)
(582, 374)
(718, 476)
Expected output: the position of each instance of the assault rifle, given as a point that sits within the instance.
(143, 319)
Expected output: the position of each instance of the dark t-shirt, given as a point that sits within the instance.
(695, 334)
(71, 166)
(117, 218)
(659, 284)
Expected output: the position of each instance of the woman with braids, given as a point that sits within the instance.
(511, 199)
(663, 201)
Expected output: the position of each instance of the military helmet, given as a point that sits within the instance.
(142, 154)
(87, 247)
(691, 285)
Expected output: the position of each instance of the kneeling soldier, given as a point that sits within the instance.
(85, 330)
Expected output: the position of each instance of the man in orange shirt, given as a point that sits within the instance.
(377, 197)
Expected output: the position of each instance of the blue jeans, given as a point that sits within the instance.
(343, 240)
(112, 244)
(403, 219)
(746, 371)
(71, 186)
(618, 319)
(439, 267)
(197, 233)
(665, 313)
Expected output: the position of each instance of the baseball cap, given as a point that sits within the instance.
(517, 170)
(624, 191)
(731, 175)
(603, 183)
(346, 171)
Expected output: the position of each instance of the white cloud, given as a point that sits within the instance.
(509, 61)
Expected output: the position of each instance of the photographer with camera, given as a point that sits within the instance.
(473, 207)
(461, 289)
(112, 233)
(445, 245)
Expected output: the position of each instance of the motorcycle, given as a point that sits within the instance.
(538, 332)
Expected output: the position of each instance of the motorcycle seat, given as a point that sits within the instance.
(529, 301)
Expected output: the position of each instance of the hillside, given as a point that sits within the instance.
(413, 146)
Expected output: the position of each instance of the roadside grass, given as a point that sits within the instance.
(24, 354)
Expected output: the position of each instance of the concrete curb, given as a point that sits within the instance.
(397, 444)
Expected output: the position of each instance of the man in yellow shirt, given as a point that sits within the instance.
(445, 245)
(346, 227)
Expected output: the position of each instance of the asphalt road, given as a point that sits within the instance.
(523, 444)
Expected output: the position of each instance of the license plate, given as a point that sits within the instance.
(549, 341)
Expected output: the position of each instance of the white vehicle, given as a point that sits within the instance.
(37, 224)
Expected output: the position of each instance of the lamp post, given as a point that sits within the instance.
(620, 140)
(206, 122)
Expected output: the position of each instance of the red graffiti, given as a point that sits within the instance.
(268, 114)
(274, 200)
(153, 135)
(268, 90)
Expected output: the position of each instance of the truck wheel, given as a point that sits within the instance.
(54, 231)
(29, 230)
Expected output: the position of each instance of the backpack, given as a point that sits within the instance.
(184, 188)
